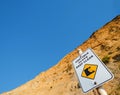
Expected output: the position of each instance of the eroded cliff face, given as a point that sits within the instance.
(61, 78)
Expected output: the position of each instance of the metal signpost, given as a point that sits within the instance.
(91, 71)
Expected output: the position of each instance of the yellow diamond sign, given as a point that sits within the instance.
(89, 71)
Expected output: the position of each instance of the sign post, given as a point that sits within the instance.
(91, 71)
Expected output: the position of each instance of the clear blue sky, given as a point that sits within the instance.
(36, 34)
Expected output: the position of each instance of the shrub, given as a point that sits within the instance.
(105, 59)
(117, 57)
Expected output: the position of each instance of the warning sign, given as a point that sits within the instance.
(89, 71)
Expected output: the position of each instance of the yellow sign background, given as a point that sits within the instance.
(89, 71)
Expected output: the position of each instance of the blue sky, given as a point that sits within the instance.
(36, 34)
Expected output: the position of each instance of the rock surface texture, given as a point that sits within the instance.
(61, 78)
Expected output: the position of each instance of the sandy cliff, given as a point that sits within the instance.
(61, 79)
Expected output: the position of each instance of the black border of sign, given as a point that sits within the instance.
(112, 76)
